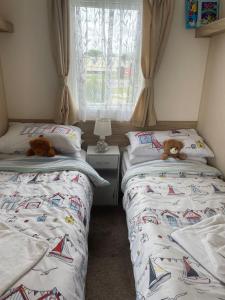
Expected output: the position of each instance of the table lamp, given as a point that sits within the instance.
(102, 129)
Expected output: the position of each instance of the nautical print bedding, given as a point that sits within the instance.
(159, 198)
(53, 207)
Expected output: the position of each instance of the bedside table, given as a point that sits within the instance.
(107, 164)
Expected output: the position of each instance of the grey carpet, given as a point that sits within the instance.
(110, 275)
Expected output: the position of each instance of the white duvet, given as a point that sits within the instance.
(52, 208)
(31, 252)
(55, 208)
(209, 250)
(160, 198)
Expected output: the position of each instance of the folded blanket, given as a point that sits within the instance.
(40, 164)
(205, 242)
(19, 253)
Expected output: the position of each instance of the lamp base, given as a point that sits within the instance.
(102, 146)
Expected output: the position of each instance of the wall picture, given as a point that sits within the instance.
(208, 11)
(191, 13)
(200, 12)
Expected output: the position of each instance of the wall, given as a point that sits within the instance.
(29, 71)
(212, 110)
(30, 77)
(179, 81)
(3, 110)
(222, 9)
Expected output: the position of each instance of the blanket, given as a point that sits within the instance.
(30, 249)
(159, 198)
(205, 242)
(49, 200)
(170, 167)
(39, 164)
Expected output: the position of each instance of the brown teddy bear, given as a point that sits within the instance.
(41, 146)
(172, 148)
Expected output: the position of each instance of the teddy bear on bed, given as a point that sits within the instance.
(41, 146)
(172, 148)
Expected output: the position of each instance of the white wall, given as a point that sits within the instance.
(3, 109)
(31, 80)
(222, 8)
(211, 123)
(29, 71)
(179, 82)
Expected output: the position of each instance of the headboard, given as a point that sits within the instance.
(119, 129)
(3, 108)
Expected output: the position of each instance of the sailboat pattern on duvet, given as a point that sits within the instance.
(55, 207)
(155, 207)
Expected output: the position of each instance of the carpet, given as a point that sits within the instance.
(110, 274)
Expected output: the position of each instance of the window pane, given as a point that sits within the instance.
(107, 58)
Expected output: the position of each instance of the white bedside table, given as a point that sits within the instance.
(107, 164)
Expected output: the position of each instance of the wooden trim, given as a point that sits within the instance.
(6, 26)
(119, 129)
(32, 120)
(211, 29)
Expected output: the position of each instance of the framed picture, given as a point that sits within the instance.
(191, 13)
(200, 12)
(208, 11)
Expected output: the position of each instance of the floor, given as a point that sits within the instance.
(110, 275)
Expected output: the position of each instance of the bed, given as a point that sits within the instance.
(159, 198)
(44, 208)
(47, 200)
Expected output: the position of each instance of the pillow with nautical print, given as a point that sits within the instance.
(151, 142)
(65, 139)
(137, 159)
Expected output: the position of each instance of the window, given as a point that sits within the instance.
(106, 48)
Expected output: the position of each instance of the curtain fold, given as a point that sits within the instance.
(156, 23)
(59, 13)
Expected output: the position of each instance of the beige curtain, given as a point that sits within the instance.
(60, 32)
(157, 17)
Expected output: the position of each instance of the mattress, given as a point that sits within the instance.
(53, 207)
(125, 163)
(158, 199)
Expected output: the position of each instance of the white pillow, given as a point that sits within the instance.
(65, 139)
(151, 142)
(137, 159)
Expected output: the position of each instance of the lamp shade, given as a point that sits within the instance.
(103, 128)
